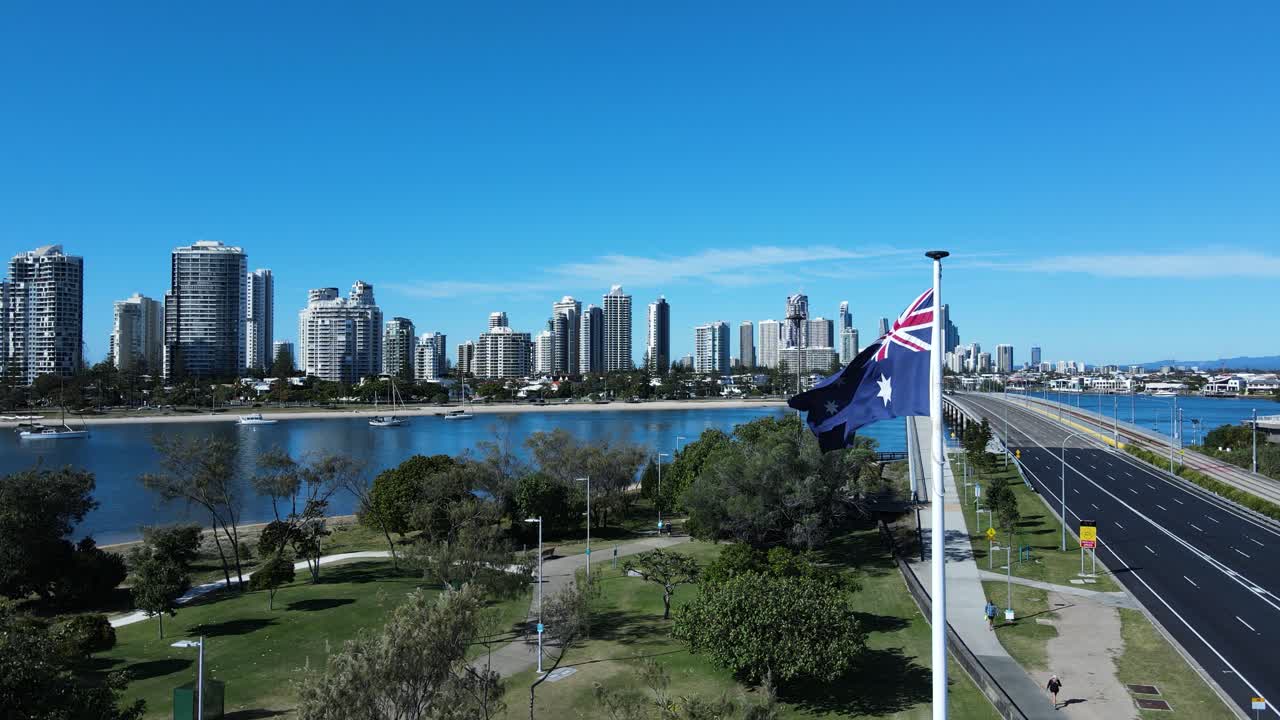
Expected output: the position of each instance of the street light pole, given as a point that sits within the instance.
(1254, 429)
(539, 521)
(588, 479)
(658, 500)
(1064, 488)
(199, 672)
(678, 439)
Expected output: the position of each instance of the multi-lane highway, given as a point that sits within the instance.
(1205, 569)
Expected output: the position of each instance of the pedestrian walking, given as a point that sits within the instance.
(1053, 686)
(990, 612)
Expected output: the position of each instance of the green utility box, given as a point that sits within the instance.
(184, 700)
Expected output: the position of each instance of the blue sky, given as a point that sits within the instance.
(1107, 178)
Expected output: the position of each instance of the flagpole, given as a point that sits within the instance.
(937, 534)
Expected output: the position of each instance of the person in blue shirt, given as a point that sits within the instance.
(990, 612)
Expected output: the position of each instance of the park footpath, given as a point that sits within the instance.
(517, 656)
(557, 574)
(966, 602)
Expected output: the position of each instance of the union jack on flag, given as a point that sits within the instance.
(912, 330)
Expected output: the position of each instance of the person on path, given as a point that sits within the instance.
(990, 612)
(1053, 686)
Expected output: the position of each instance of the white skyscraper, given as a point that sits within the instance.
(340, 339)
(429, 358)
(44, 314)
(399, 346)
(591, 341)
(770, 333)
(848, 345)
(204, 311)
(565, 335)
(497, 319)
(137, 335)
(711, 348)
(617, 330)
(502, 353)
(544, 353)
(4, 325)
(287, 347)
(1004, 359)
(747, 344)
(657, 351)
(259, 325)
(819, 333)
(844, 320)
(797, 314)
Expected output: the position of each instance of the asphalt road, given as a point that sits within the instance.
(1207, 571)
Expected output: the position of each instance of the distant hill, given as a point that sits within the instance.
(1265, 362)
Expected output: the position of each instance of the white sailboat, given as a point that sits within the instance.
(62, 432)
(461, 414)
(389, 420)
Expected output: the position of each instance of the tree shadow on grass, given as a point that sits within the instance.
(231, 627)
(873, 623)
(253, 714)
(148, 669)
(315, 604)
(882, 683)
(360, 573)
(862, 548)
(625, 627)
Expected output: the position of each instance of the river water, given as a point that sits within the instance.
(1199, 414)
(118, 454)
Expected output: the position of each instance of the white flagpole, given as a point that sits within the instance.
(937, 534)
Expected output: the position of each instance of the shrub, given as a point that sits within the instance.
(83, 635)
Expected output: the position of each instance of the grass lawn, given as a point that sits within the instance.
(1038, 528)
(1149, 660)
(1026, 640)
(893, 681)
(259, 653)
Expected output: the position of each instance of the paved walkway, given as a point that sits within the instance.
(1105, 599)
(1084, 656)
(965, 598)
(557, 574)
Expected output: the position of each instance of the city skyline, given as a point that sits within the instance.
(1060, 198)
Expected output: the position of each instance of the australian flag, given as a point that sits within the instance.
(889, 379)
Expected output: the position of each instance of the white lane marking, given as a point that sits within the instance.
(1135, 492)
(1242, 622)
(1148, 547)
(1110, 477)
(1242, 552)
(1162, 507)
(1118, 525)
(1212, 518)
(1095, 507)
(1126, 472)
(1194, 526)
(1255, 542)
(1178, 501)
(1075, 491)
(1193, 582)
(1153, 487)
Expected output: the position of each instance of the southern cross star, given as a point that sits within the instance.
(886, 389)
(831, 408)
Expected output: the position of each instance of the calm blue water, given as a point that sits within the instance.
(1152, 413)
(119, 454)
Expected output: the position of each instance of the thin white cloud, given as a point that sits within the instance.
(1194, 265)
(730, 268)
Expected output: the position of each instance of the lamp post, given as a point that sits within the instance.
(539, 521)
(586, 479)
(658, 500)
(1006, 427)
(1254, 429)
(678, 439)
(1064, 487)
(199, 672)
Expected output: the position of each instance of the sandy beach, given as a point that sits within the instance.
(286, 414)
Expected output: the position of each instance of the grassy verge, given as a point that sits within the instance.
(1149, 660)
(260, 652)
(1217, 487)
(1026, 640)
(1039, 529)
(893, 682)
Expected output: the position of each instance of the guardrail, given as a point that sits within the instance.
(958, 650)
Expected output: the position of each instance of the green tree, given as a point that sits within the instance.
(538, 495)
(41, 678)
(631, 704)
(1003, 503)
(84, 634)
(779, 628)
(397, 492)
(38, 510)
(739, 559)
(203, 472)
(275, 571)
(689, 460)
(413, 667)
(282, 366)
(179, 542)
(91, 575)
(156, 584)
(668, 570)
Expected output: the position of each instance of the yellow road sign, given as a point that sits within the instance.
(1088, 534)
(1017, 454)
(991, 533)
